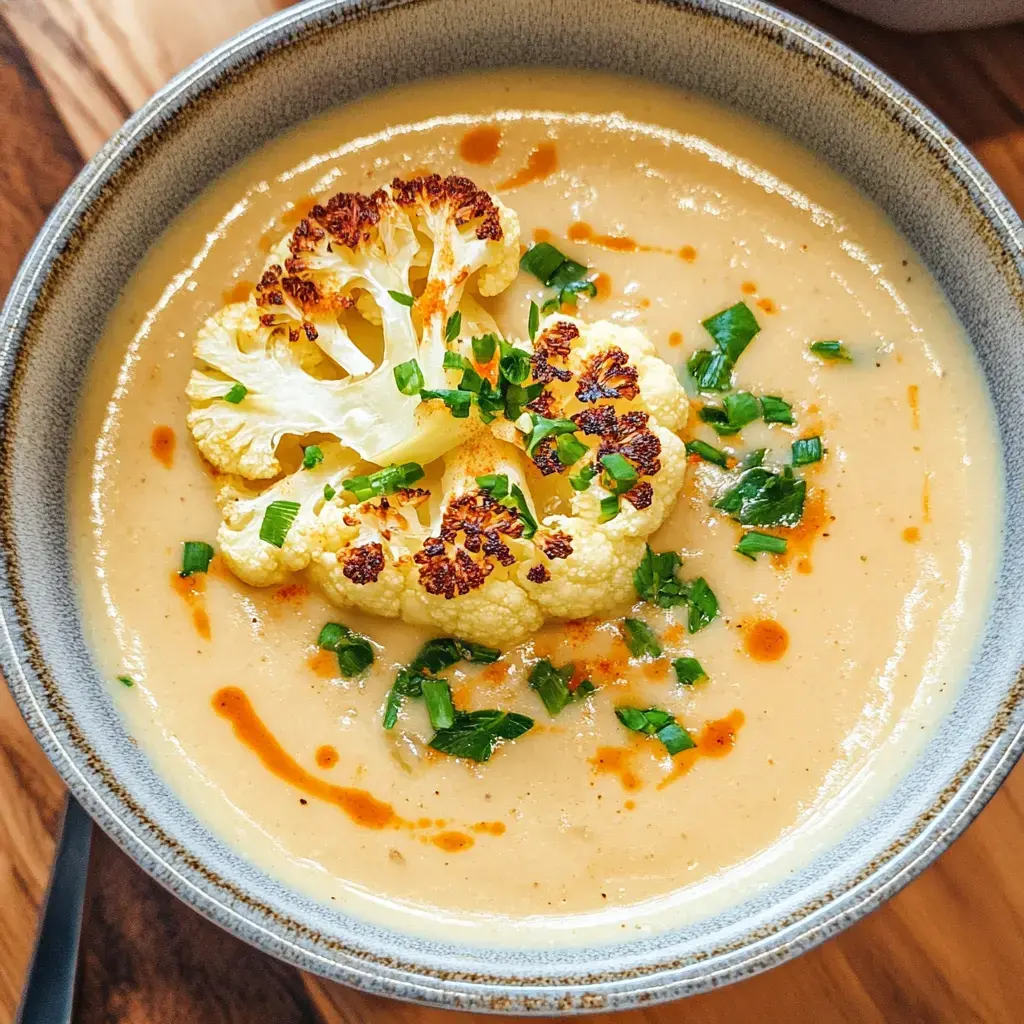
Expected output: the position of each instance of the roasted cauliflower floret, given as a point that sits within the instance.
(257, 561)
(367, 550)
(353, 250)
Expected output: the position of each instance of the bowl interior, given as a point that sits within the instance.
(747, 55)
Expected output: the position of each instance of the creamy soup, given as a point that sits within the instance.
(819, 676)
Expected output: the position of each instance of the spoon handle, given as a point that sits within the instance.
(50, 987)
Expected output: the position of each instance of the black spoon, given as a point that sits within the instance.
(50, 986)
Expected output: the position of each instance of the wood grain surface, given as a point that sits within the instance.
(950, 948)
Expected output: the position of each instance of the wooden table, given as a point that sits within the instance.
(949, 948)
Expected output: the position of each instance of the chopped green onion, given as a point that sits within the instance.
(517, 397)
(737, 411)
(277, 521)
(475, 734)
(195, 557)
(807, 450)
(775, 410)
(453, 361)
(620, 474)
(733, 330)
(312, 455)
(581, 481)
(402, 297)
(640, 639)
(458, 402)
(355, 654)
(329, 492)
(655, 579)
(533, 322)
(126, 680)
(711, 371)
(703, 605)
(236, 394)
(688, 671)
(437, 695)
(542, 260)
(764, 498)
(495, 483)
(452, 328)
(552, 685)
(609, 508)
(551, 305)
(709, 453)
(471, 380)
(409, 377)
(834, 350)
(570, 277)
(407, 684)
(384, 481)
(522, 507)
(657, 723)
(514, 364)
(569, 449)
(753, 459)
(753, 543)
(437, 655)
(483, 348)
(543, 427)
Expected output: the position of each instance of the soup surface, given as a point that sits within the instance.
(825, 666)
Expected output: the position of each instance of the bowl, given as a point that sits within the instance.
(742, 52)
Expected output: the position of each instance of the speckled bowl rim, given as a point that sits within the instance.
(215, 897)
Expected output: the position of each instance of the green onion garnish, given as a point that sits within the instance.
(709, 453)
(703, 605)
(437, 695)
(452, 328)
(658, 723)
(494, 483)
(764, 498)
(126, 680)
(517, 500)
(753, 458)
(236, 394)
(609, 508)
(581, 481)
(514, 364)
(542, 260)
(552, 685)
(277, 521)
(733, 330)
(775, 410)
(807, 450)
(655, 579)
(453, 361)
(475, 734)
(355, 654)
(409, 377)
(753, 543)
(543, 427)
(437, 655)
(620, 474)
(688, 671)
(458, 402)
(195, 557)
(312, 455)
(533, 321)
(407, 684)
(736, 412)
(384, 481)
(329, 492)
(711, 371)
(640, 639)
(483, 348)
(402, 297)
(834, 350)
(569, 449)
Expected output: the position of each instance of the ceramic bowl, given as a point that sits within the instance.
(742, 52)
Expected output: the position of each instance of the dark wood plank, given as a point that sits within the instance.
(37, 161)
